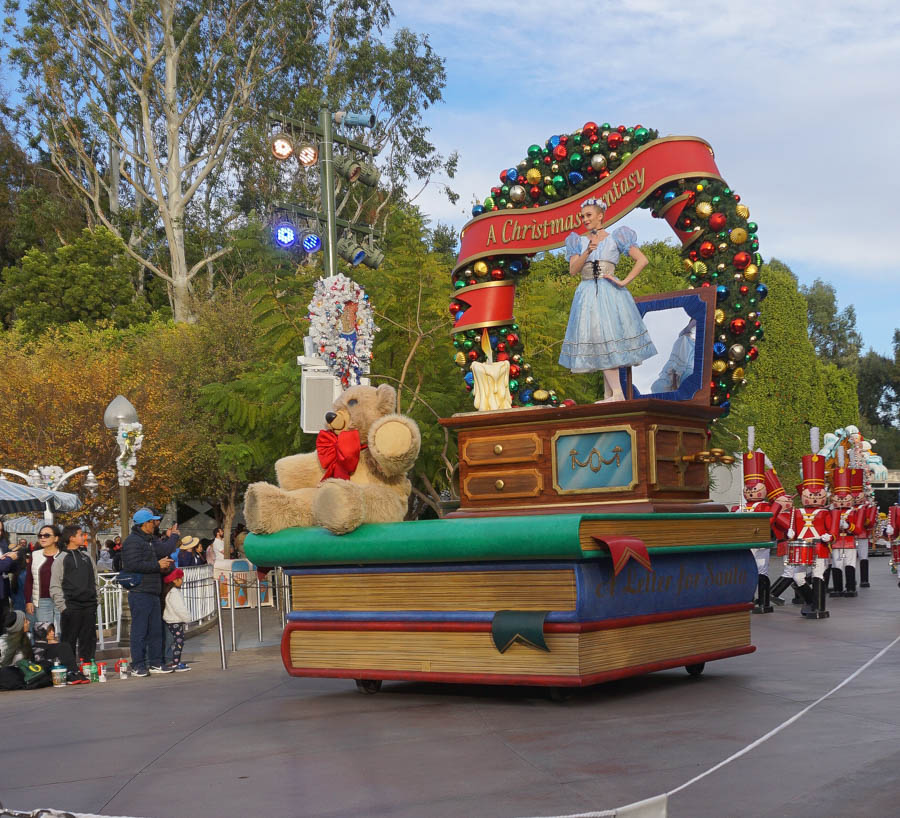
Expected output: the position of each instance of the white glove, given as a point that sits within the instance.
(844, 525)
(791, 533)
(827, 538)
(889, 530)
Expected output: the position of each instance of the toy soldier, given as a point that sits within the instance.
(843, 550)
(810, 530)
(755, 491)
(893, 534)
(869, 512)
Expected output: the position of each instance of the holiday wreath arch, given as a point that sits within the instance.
(537, 204)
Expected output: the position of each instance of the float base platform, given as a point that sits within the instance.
(528, 600)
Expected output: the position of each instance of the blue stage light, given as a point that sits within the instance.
(285, 234)
(311, 243)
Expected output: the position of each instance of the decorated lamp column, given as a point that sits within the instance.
(122, 417)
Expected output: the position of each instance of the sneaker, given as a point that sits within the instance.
(161, 669)
(181, 667)
(76, 677)
(140, 671)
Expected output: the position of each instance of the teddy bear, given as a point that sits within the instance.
(356, 475)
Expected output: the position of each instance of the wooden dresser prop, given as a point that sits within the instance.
(645, 455)
(558, 600)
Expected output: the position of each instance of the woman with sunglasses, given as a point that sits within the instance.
(39, 606)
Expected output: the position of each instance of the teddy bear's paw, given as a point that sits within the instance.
(337, 507)
(394, 442)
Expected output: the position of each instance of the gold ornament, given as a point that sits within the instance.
(540, 395)
(481, 268)
(526, 367)
(719, 366)
(751, 273)
(509, 205)
(700, 268)
(731, 364)
(626, 139)
(723, 246)
(688, 265)
(533, 176)
(721, 266)
(743, 211)
(738, 373)
(738, 235)
(720, 316)
(738, 276)
(604, 135)
(522, 165)
(703, 210)
(459, 359)
(548, 180)
(529, 380)
(613, 156)
(598, 162)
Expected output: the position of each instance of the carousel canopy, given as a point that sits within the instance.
(18, 498)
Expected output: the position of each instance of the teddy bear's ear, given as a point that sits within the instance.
(387, 399)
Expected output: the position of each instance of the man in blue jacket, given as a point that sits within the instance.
(139, 556)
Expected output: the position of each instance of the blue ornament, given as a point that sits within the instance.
(511, 175)
(575, 178)
(526, 395)
(469, 378)
(719, 349)
(552, 142)
(515, 267)
(761, 291)
(477, 210)
(721, 293)
(668, 195)
(494, 338)
(725, 406)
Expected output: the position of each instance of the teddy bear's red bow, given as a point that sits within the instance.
(338, 452)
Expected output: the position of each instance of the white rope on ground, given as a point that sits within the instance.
(47, 813)
(656, 807)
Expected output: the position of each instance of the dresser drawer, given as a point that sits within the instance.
(491, 485)
(509, 449)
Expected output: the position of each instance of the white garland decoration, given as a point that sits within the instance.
(346, 360)
(130, 437)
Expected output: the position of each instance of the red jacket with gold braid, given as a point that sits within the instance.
(811, 524)
(854, 518)
(894, 520)
(871, 519)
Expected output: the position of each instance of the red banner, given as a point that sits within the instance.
(530, 230)
(486, 305)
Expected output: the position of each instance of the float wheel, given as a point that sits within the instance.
(370, 686)
(695, 670)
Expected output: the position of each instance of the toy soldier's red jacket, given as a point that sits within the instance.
(894, 520)
(811, 524)
(854, 518)
(761, 506)
(871, 520)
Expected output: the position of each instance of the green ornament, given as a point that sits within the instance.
(515, 327)
(549, 190)
(754, 245)
(456, 344)
(513, 385)
(605, 126)
(752, 227)
(489, 202)
(504, 191)
(752, 301)
(576, 139)
(722, 235)
(459, 284)
(716, 199)
(467, 344)
(534, 151)
(471, 333)
(625, 156)
(559, 182)
(502, 203)
(737, 307)
(501, 262)
(757, 259)
(727, 191)
(641, 135)
(693, 278)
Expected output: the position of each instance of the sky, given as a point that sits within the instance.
(799, 100)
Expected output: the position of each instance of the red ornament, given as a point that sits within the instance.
(692, 255)
(687, 222)
(512, 339)
(621, 129)
(744, 289)
(741, 260)
(472, 354)
(495, 191)
(708, 250)
(560, 152)
(534, 192)
(514, 371)
(691, 197)
(503, 176)
(705, 284)
(502, 356)
(736, 197)
(594, 139)
(614, 140)
(497, 275)
(569, 402)
(753, 353)
(471, 282)
(564, 138)
(548, 160)
(589, 129)
(454, 308)
(501, 347)
(738, 326)
(717, 221)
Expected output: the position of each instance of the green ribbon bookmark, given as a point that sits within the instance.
(522, 627)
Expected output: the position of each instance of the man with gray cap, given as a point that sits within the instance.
(139, 556)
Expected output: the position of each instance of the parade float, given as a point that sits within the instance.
(584, 546)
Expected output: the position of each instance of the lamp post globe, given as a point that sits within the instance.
(119, 411)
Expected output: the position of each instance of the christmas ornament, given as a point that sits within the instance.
(741, 261)
(738, 235)
(717, 221)
(720, 317)
(480, 268)
(751, 272)
(718, 366)
(736, 352)
(703, 210)
(598, 162)
(534, 176)
(743, 211)
(517, 193)
(707, 249)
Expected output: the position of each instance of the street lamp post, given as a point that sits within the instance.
(121, 417)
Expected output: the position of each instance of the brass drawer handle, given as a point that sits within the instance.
(499, 485)
(498, 449)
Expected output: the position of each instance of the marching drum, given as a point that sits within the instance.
(801, 552)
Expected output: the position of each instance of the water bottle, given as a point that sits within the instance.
(93, 670)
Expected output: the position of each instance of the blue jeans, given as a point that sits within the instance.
(46, 612)
(146, 628)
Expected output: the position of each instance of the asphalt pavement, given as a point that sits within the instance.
(253, 741)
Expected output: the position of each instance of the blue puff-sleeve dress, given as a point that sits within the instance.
(605, 329)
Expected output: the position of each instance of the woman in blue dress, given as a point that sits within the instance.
(605, 329)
